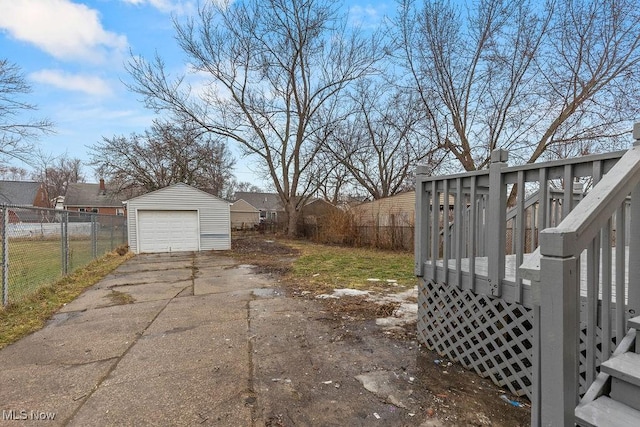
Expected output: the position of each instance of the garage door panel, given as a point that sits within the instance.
(168, 231)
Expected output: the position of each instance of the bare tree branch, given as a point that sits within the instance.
(164, 155)
(272, 72)
(17, 132)
(522, 77)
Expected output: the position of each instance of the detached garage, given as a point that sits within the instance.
(178, 218)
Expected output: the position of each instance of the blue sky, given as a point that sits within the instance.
(73, 52)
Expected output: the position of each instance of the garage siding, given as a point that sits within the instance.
(213, 214)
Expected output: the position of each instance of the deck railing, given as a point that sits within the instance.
(474, 220)
(538, 330)
(583, 245)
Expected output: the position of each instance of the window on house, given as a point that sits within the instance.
(119, 211)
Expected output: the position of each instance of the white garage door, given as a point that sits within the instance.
(168, 231)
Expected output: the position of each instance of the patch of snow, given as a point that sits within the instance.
(338, 293)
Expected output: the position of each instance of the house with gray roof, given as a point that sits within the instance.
(24, 193)
(269, 205)
(94, 198)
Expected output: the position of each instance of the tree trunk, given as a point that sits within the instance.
(292, 218)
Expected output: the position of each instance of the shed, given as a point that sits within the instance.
(243, 215)
(178, 218)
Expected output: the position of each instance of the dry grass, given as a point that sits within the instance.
(30, 314)
(325, 266)
(121, 298)
(321, 268)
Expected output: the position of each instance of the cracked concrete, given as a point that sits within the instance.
(206, 342)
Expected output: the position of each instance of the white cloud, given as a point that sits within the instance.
(180, 7)
(367, 16)
(65, 30)
(90, 85)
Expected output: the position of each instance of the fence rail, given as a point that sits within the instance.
(39, 246)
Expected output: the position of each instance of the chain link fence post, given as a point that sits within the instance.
(64, 230)
(125, 236)
(111, 229)
(5, 256)
(94, 236)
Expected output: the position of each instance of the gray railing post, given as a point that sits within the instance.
(496, 220)
(421, 236)
(559, 328)
(633, 301)
(5, 256)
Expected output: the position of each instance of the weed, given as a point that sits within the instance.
(121, 298)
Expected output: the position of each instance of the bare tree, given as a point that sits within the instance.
(17, 132)
(273, 73)
(332, 179)
(57, 172)
(381, 144)
(520, 76)
(234, 186)
(13, 173)
(165, 154)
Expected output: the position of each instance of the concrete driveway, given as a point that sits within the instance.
(205, 342)
(177, 356)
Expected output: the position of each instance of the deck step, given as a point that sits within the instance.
(625, 379)
(606, 412)
(625, 367)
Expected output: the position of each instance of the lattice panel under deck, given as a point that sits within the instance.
(484, 334)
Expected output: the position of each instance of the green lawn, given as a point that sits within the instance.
(33, 263)
(31, 312)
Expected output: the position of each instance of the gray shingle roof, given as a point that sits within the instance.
(21, 193)
(261, 201)
(89, 195)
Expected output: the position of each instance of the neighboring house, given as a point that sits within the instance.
(243, 215)
(268, 204)
(24, 193)
(398, 210)
(94, 198)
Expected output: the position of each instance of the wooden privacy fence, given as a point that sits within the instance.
(476, 306)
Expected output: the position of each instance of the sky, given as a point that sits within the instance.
(73, 52)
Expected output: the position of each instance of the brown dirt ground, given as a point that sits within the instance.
(449, 394)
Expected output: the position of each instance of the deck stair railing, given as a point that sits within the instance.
(478, 308)
(576, 257)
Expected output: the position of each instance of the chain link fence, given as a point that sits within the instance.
(39, 246)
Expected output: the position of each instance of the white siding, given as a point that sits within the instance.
(213, 213)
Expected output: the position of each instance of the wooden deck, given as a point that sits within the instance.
(482, 271)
